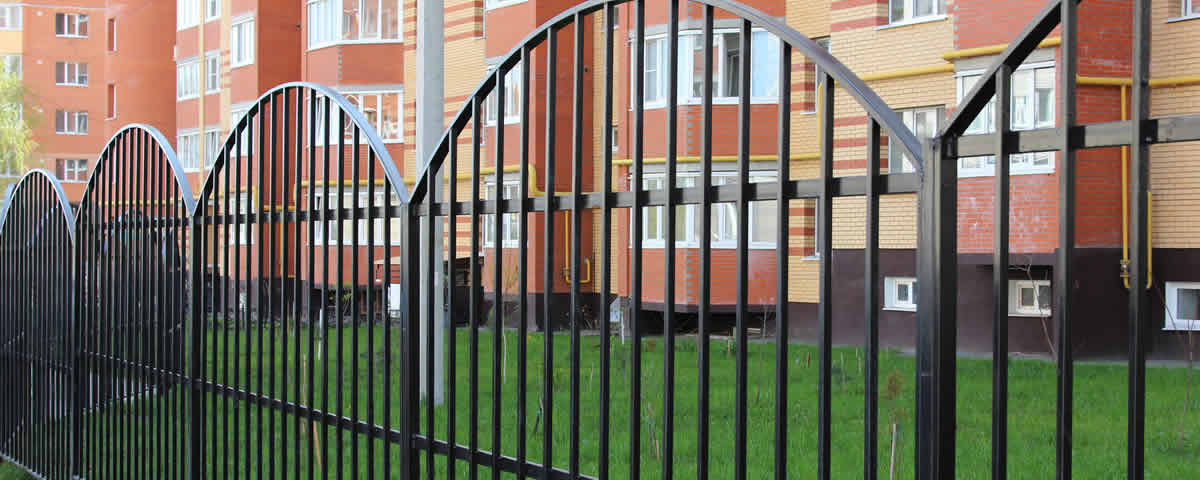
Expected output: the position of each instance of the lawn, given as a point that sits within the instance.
(1099, 437)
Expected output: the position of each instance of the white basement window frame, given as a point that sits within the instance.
(900, 294)
(1182, 306)
(1030, 298)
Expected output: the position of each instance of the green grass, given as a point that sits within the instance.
(1099, 419)
(9, 471)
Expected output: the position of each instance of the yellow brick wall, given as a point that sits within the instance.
(1174, 178)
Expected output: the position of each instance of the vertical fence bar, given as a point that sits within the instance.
(871, 306)
(264, 314)
(548, 261)
(743, 258)
(326, 238)
(1064, 277)
(238, 240)
(782, 176)
(576, 224)
(610, 13)
(431, 197)
(497, 319)
(476, 289)
(635, 270)
(313, 326)
(706, 200)
(295, 210)
(825, 276)
(668, 405)
(339, 215)
(451, 302)
(1139, 243)
(522, 262)
(196, 410)
(1000, 277)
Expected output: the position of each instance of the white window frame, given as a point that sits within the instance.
(510, 223)
(10, 17)
(187, 147)
(327, 24)
(74, 170)
(1032, 163)
(891, 298)
(690, 213)
(112, 34)
(71, 20)
(356, 98)
(909, 117)
(112, 101)
(494, 4)
(909, 7)
(187, 14)
(187, 79)
(212, 144)
(241, 54)
(1015, 308)
(243, 233)
(74, 74)
(75, 122)
(212, 73)
(320, 237)
(687, 81)
(212, 10)
(1171, 320)
(1190, 8)
(512, 98)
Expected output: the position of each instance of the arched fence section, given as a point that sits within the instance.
(298, 229)
(133, 292)
(36, 370)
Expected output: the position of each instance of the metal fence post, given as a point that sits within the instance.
(195, 420)
(409, 335)
(936, 323)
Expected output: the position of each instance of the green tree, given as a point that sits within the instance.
(16, 129)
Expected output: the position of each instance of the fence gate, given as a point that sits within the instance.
(271, 325)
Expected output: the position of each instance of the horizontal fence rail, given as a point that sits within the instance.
(540, 301)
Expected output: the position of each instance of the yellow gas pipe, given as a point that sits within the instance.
(1125, 213)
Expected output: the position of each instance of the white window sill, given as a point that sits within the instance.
(184, 99)
(689, 102)
(352, 42)
(213, 19)
(507, 121)
(114, 117)
(212, 92)
(70, 84)
(913, 21)
(1181, 325)
(1029, 314)
(71, 36)
(656, 245)
(900, 309)
(1194, 16)
(7, 29)
(182, 28)
(71, 133)
(501, 4)
(990, 172)
(233, 66)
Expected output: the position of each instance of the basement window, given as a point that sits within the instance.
(900, 293)
(1183, 306)
(1029, 298)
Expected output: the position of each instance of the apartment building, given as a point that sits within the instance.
(226, 53)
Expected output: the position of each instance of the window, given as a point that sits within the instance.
(763, 215)
(348, 224)
(241, 39)
(11, 166)
(242, 203)
(212, 145)
(71, 122)
(509, 222)
(73, 170)
(1190, 8)
(904, 11)
(1032, 106)
(71, 73)
(924, 124)
(384, 112)
(112, 101)
(112, 34)
(235, 116)
(11, 65)
(764, 74)
(512, 99)
(1030, 298)
(1183, 306)
(334, 21)
(900, 293)
(71, 24)
(187, 80)
(490, 4)
(10, 17)
(613, 132)
(212, 73)
(187, 14)
(212, 10)
(188, 148)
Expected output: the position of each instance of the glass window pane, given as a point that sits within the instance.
(1022, 99)
(350, 24)
(902, 293)
(731, 64)
(897, 9)
(1026, 297)
(923, 8)
(1187, 305)
(764, 77)
(1044, 84)
(390, 18)
(369, 20)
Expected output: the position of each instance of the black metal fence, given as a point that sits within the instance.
(252, 330)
